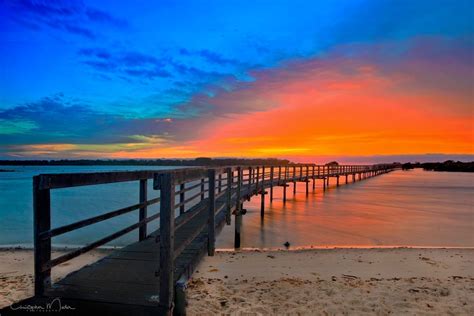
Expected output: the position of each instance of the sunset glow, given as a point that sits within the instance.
(119, 90)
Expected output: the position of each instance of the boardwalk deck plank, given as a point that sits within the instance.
(136, 264)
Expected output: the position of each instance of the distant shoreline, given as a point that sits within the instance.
(148, 162)
(448, 166)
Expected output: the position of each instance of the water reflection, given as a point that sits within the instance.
(403, 208)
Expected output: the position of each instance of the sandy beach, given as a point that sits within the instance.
(316, 281)
(335, 282)
(17, 276)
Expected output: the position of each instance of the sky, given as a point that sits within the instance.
(356, 81)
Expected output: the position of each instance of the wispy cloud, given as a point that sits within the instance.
(57, 119)
(213, 57)
(72, 17)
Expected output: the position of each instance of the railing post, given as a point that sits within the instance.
(285, 184)
(314, 179)
(211, 230)
(250, 179)
(329, 176)
(202, 189)
(142, 232)
(271, 183)
(294, 179)
(262, 194)
(238, 210)
(257, 181)
(220, 183)
(307, 180)
(230, 178)
(166, 268)
(181, 198)
(42, 223)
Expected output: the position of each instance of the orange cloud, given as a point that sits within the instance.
(341, 109)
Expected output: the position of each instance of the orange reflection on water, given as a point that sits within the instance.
(415, 208)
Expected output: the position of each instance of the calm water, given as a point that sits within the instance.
(402, 208)
(413, 208)
(69, 205)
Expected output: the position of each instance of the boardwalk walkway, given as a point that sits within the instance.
(147, 277)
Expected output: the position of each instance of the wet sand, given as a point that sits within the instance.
(335, 282)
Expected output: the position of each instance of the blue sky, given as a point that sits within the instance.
(103, 74)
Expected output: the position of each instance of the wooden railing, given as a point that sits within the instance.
(184, 194)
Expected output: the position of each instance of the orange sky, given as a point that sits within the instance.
(316, 109)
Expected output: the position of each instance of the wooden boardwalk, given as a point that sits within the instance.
(148, 276)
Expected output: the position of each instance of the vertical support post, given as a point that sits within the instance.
(284, 185)
(142, 231)
(314, 179)
(262, 194)
(250, 179)
(202, 189)
(230, 177)
(181, 198)
(219, 188)
(211, 229)
(257, 181)
(238, 210)
(307, 179)
(166, 267)
(347, 175)
(294, 180)
(42, 223)
(337, 180)
(271, 183)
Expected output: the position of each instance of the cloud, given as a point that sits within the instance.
(103, 17)
(213, 57)
(57, 119)
(126, 63)
(65, 16)
(16, 126)
(137, 65)
(356, 100)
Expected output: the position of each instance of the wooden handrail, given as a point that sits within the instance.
(230, 185)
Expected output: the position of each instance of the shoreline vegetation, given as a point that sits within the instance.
(449, 165)
(201, 161)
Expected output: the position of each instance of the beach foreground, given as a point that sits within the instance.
(317, 281)
(335, 281)
(17, 276)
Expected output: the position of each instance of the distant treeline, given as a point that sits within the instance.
(152, 162)
(449, 165)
